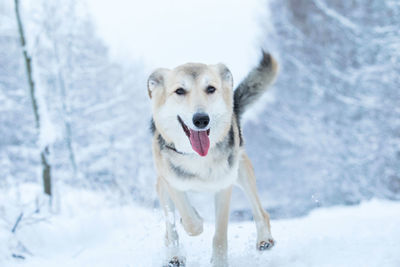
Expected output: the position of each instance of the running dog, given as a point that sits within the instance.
(198, 146)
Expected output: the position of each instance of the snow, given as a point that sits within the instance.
(312, 144)
(90, 229)
(335, 15)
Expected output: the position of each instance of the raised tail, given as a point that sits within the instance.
(255, 84)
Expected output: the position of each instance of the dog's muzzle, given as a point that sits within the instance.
(198, 139)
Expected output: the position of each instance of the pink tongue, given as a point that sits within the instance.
(200, 142)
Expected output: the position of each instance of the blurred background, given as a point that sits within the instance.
(327, 133)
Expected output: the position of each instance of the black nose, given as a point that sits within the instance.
(201, 120)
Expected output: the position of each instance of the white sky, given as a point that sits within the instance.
(167, 33)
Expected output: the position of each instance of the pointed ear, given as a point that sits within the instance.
(226, 75)
(156, 81)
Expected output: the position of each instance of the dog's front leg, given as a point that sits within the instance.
(174, 256)
(191, 220)
(220, 242)
(247, 182)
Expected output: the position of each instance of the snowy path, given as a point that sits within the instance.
(88, 234)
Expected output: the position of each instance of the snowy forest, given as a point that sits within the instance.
(75, 135)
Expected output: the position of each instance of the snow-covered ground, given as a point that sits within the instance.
(90, 230)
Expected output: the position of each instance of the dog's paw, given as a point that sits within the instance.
(193, 227)
(219, 262)
(176, 262)
(265, 245)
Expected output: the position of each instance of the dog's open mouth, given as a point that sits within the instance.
(198, 139)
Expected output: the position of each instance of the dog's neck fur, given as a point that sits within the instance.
(189, 171)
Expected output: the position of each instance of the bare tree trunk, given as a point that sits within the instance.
(65, 109)
(44, 153)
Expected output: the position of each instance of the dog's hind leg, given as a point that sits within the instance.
(220, 241)
(247, 182)
(174, 256)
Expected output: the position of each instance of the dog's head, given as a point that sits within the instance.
(192, 105)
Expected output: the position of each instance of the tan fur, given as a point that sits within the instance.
(194, 78)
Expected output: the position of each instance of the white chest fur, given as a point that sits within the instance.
(216, 171)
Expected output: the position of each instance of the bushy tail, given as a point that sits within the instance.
(255, 84)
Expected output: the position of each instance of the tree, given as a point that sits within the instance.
(44, 148)
(332, 132)
(55, 21)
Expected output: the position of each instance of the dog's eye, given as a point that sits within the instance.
(180, 91)
(210, 89)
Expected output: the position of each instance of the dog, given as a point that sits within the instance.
(198, 146)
